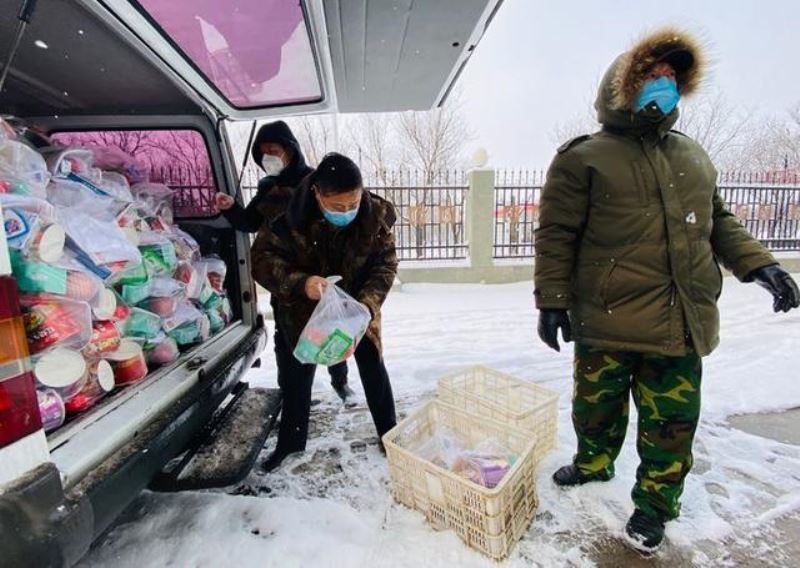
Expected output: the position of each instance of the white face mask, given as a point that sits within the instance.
(272, 165)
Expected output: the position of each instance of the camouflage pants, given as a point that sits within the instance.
(666, 392)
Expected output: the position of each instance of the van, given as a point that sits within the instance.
(125, 67)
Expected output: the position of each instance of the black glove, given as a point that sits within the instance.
(780, 284)
(549, 323)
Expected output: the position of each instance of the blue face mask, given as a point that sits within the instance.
(662, 91)
(340, 219)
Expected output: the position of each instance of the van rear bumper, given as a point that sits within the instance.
(41, 525)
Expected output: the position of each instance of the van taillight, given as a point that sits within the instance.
(19, 407)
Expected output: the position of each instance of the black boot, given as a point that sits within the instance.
(274, 461)
(570, 475)
(346, 394)
(645, 532)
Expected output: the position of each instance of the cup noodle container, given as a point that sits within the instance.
(99, 383)
(51, 408)
(106, 305)
(128, 363)
(106, 338)
(48, 244)
(63, 370)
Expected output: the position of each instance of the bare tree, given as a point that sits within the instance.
(373, 137)
(435, 140)
(715, 124)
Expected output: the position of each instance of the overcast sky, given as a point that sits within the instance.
(541, 60)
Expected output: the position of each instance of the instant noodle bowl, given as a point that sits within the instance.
(105, 339)
(128, 363)
(99, 383)
(51, 409)
(48, 244)
(52, 321)
(62, 370)
(106, 305)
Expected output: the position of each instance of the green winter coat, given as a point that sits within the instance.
(632, 227)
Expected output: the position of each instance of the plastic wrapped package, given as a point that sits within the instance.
(141, 323)
(84, 197)
(186, 313)
(336, 326)
(165, 295)
(63, 161)
(161, 350)
(23, 171)
(486, 464)
(192, 277)
(216, 269)
(186, 247)
(60, 369)
(34, 277)
(54, 321)
(116, 185)
(103, 242)
(31, 229)
(158, 254)
(99, 382)
(105, 339)
(113, 159)
(155, 198)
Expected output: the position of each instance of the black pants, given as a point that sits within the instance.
(338, 374)
(296, 379)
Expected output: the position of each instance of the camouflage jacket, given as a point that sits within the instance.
(300, 243)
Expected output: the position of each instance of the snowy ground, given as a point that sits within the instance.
(332, 506)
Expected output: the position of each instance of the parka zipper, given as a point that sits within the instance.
(673, 294)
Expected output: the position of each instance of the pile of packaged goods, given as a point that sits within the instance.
(110, 287)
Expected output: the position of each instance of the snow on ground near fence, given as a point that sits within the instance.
(332, 506)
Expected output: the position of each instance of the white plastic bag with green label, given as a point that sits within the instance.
(335, 328)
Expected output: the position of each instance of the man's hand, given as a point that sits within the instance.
(550, 321)
(224, 201)
(315, 286)
(780, 284)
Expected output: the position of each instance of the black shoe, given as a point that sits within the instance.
(274, 461)
(570, 475)
(645, 532)
(346, 394)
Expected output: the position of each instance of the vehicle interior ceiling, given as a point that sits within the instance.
(71, 67)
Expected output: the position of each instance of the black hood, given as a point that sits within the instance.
(279, 132)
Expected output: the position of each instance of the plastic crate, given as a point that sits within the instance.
(488, 520)
(490, 394)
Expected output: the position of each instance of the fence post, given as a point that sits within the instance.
(480, 217)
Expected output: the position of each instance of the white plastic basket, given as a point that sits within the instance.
(490, 394)
(488, 520)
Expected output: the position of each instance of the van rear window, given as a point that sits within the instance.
(257, 53)
(176, 158)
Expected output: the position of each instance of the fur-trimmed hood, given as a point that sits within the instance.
(624, 79)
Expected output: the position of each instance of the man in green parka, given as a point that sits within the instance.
(632, 229)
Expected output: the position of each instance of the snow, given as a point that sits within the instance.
(331, 506)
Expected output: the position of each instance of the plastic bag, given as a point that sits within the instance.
(165, 295)
(84, 197)
(161, 350)
(141, 323)
(105, 338)
(103, 242)
(113, 159)
(155, 198)
(486, 464)
(442, 448)
(54, 321)
(23, 171)
(30, 228)
(186, 247)
(99, 382)
(34, 277)
(191, 277)
(216, 270)
(336, 326)
(158, 254)
(186, 314)
(63, 161)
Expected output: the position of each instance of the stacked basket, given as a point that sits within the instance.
(477, 403)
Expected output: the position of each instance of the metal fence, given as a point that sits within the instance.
(768, 205)
(430, 210)
(193, 190)
(516, 212)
